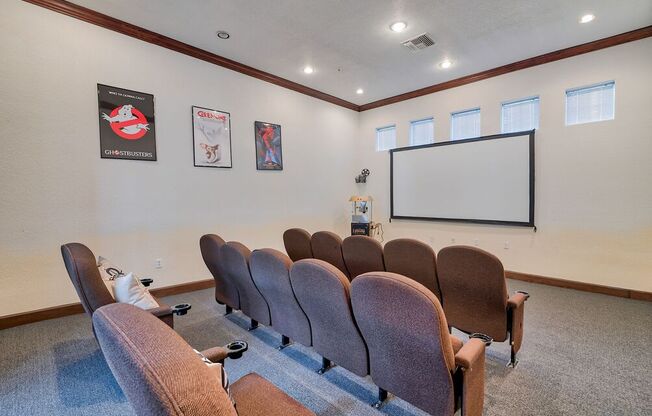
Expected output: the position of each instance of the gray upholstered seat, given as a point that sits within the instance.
(362, 254)
(413, 259)
(471, 276)
(297, 244)
(270, 270)
(161, 375)
(327, 246)
(226, 292)
(324, 294)
(81, 265)
(234, 258)
(411, 353)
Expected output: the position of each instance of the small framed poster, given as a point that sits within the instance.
(126, 124)
(269, 153)
(211, 137)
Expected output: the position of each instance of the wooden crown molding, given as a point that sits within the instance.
(633, 35)
(108, 22)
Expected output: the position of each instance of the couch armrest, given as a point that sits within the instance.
(470, 359)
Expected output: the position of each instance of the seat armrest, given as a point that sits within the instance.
(216, 354)
(159, 311)
(517, 299)
(470, 353)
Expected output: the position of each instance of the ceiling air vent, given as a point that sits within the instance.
(419, 42)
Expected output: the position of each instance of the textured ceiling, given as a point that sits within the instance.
(349, 43)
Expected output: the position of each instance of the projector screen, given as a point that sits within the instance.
(486, 180)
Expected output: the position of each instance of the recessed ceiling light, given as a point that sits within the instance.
(359, 91)
(308, 69)
(587, 18)
(398, 26)
(445, 64)
(223, 35)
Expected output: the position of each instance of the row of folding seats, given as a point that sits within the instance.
(459, 276)
(381, 324)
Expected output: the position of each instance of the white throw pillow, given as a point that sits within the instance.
(108, 272)
(128, 289)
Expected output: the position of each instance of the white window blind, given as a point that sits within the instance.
(422, 131)
(520, 115)
(589, 104)
(385, 138)
(465, 124)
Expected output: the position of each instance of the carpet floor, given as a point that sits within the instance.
(583, 354)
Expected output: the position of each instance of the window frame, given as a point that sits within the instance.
(536, 98)
(469, 110)
(383, 128)
(418, 122)
(587, 87)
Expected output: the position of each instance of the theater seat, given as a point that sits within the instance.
(161, 375)
(362, 254)
(297, 244)
(234, 257)
(474, 290)
(411, 353)
(81, 265)
(270, 270)
(413, 259)
(327, 246)
(226, 293)
(324, 294)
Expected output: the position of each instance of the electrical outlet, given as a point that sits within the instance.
(506, 245)
(476, 242)
(452, 240)
(158, 263)
(431, 239)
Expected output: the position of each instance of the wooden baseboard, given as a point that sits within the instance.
(584, 287)
(23, 318)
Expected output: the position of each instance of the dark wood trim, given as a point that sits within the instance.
(108, 22)
(582, 286)
(633, 35)
(23, 318)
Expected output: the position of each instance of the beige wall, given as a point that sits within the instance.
(593, 190)
(56, 189)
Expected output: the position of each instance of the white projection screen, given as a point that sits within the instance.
(488, 180)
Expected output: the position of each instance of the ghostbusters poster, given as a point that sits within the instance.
(269, 154)
(126, 124)
(211, 135)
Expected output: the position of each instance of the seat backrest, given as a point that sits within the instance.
(270, 270)
(85, 276)
(362, 254)
(410, 351)
(413, 259)
(472, 283)
(225, 291)
(157, 370)
(324, 294)
(235, 264)
(327, 246)
(297, 244)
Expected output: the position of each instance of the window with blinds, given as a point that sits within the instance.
(592, 103)
(422, 131)
(385, 138)
(520, 115)
(465, 124)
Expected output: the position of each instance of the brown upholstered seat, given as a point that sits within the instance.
(327, 246)
(81, 265)
(270, 270)
(362, 254)
(324, 294)
(234, 258)
(161, 375)
(474, 290)
(410, 350)
(413, 259)
(226, 292)
(297, 244)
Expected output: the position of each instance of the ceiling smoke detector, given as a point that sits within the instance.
(417, 43)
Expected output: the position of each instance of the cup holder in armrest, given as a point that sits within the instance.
(523, 292)
(146, 282)
(236, 349)
(482, 337)
(181, 309)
